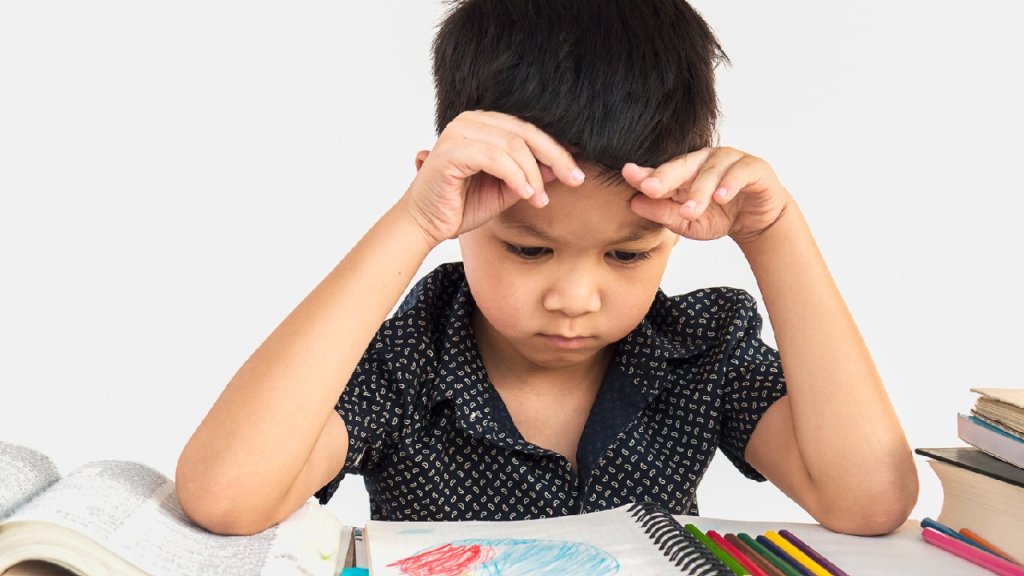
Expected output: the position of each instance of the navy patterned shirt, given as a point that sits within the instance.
(433, 440)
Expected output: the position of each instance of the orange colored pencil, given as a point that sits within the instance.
(974, 536)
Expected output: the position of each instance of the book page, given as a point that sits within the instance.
(412, 548)
(903, 552)
(133, 511)
(595, 544)
(1000, 413)
(23, 474)
(1012, 396)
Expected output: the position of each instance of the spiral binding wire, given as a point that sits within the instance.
(678, 545)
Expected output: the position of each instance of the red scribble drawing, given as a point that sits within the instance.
(447, 560)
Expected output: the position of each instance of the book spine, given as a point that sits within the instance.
(678, 545)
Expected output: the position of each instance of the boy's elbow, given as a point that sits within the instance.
(216, 507)
(877, 510)
(873, 520)
(219, 519)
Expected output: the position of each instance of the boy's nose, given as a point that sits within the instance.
(573, 294)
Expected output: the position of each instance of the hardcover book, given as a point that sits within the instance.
(981, 493)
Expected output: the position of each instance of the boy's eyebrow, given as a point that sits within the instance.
(646, 230)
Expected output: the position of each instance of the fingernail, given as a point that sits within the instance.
(578, 175)
(529, 191)
(653, 181)
(690, 204)
(544, 199)
(721, 192)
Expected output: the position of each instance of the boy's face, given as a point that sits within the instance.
(585, 265)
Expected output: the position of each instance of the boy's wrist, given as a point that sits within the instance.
(415, 224)
(772, 242)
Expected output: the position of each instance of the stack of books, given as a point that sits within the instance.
(983, 484)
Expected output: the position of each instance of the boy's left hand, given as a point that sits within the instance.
(708, 193)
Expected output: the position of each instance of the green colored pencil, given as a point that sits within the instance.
(724, 556)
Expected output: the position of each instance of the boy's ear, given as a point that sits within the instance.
(421, 157)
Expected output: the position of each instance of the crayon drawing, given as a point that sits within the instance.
(508, 557)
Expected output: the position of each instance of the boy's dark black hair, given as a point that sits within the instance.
(614, 80)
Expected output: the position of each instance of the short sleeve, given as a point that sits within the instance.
(754, 381)
(370, 407)
(384, 399)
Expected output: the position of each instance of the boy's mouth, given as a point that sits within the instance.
(566, 341)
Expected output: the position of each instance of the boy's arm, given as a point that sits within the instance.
(273, 437)
(834, 443)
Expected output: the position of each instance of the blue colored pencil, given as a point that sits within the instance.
(764, 541)
(942, 528)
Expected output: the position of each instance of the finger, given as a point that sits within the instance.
(516, 147)
(547, 150)
(475, 157)
(745, 174)
(634, 174)
(677, 173)
(708, 181)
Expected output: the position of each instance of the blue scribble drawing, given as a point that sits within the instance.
(510, 557)
(415, 531)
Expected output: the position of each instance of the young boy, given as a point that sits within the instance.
(547, 374)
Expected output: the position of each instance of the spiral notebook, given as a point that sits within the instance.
(640, 538)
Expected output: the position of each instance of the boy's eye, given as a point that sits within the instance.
(533, 253)
(525, 252)
(630, 257)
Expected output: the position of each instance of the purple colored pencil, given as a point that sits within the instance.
(812, 553)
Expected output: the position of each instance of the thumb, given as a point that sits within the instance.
(660, 210)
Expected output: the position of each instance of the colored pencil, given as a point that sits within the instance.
(974, 536)
(988, 561)
(806, 549)
(729, 562)
(767, 554)
(796, 553)
(724, 544)
(752, 554)
(940, 527)
(767, 543)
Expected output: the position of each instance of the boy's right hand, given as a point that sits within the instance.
(484, 162)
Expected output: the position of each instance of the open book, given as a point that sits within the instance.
(115, 517)
(634, 539)
(628, 541)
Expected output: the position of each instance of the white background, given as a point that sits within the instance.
(176, 177)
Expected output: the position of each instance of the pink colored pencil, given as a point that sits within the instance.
(987, 561)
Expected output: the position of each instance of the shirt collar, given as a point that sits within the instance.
(637, 374)
(461, 377)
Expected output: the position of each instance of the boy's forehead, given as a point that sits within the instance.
(574, 215)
